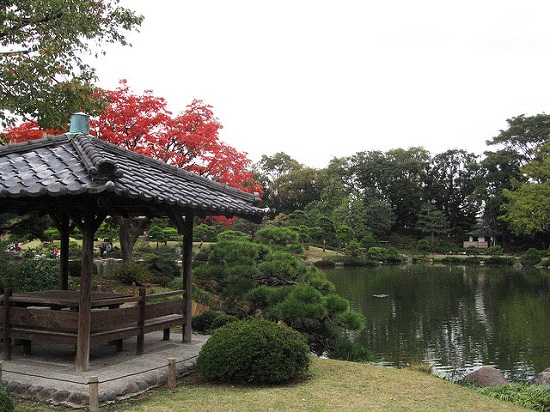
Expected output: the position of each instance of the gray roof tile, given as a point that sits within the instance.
(79, 165)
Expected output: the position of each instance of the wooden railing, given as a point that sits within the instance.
(112, 319)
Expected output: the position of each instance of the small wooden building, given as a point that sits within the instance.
(79, 180)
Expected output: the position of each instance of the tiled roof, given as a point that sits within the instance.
(77, 167)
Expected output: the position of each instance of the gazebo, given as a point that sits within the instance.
(80, 180)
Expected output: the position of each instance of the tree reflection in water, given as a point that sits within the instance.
(454, 317)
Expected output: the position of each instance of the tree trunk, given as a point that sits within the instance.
(130, 231)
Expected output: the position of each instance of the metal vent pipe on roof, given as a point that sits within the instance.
(80, 123)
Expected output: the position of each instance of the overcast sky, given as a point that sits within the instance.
(321, 79)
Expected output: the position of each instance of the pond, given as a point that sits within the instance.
(454, 318)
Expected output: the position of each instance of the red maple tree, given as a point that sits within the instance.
(142, 123)
(26, 131)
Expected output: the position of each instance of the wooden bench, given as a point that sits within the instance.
(125, 318)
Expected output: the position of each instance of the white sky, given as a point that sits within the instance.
(318, 79)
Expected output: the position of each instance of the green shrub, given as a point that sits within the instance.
(163, 269)
(204, 321)
(35, 274)
(232, 235)
(277, 236)
(423, 246)
(532, 256)
(7, 403)
(354, 249)
(535, 397)
(472, 250)
(500, 261)
(255, 351)
(368, 241)
(75, 267)
(451, 260)
(51, 234)
(223, 320)
(495, 250)
(295, 249)
(387, 255)
(350, 351)
(130, 272)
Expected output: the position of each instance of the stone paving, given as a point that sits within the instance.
(49, 373)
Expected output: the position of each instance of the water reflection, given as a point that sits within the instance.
(453, 317)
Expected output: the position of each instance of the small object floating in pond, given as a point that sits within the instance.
(381, 296)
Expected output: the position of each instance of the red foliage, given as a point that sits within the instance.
(142, 123)
(27, 131)
(190, 140)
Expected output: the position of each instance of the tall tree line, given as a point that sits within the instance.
(415, 193)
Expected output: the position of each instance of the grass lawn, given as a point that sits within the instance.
(316, 253)
(332, 386)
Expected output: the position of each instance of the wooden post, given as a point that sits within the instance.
(64, 226)
(1, 368)
(85, 300)
(6, 343)
(93, 383)
(64, 255)
(171, 376)
(88, 222)
(188, 275)
(141, 322)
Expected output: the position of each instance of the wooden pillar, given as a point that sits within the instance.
(64, 226)
(88, 223)
(64, 258)
(188, 274)
(6, 340)
(141, 323)
(85, 302)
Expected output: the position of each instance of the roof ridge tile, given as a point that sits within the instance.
(99, 168)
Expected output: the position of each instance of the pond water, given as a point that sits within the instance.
(454, 318)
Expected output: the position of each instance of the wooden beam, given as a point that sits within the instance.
(188, 274)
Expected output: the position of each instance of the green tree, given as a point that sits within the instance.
(528, 210)
(397, 177)
(379, 217)
(296, 189)
(431, 222)
(453, 181)
(352, 212)
(268, 170)
(524, 135)
(500, 170)
(255, 278)
(344, 233)
(43, 75)
(328, 227)
(157, 234)
(354, 249)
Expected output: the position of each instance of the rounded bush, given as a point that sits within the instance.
(532, 256)
(132, 272)
(7, 404)
(204, 321)
(254, 351)
(75, 267)
(223, 320)
(163, 269)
